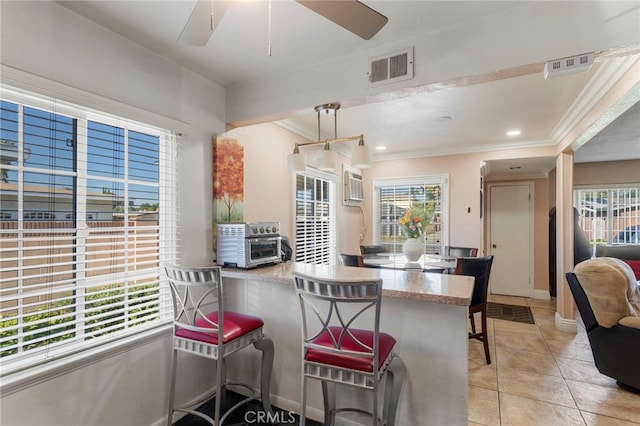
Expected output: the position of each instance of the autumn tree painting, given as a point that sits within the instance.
(228, 180)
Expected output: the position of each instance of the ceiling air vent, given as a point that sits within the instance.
(570, 65)
(391, 67)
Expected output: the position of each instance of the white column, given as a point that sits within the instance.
(566, 312)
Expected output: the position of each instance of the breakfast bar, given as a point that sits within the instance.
(425, 312)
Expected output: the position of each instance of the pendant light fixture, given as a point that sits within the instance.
(362, 156)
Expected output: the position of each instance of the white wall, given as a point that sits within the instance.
(526, 33)
(44, 42)
(268, 187)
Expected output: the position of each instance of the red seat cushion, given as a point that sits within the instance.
(635, 266)
(385, 343)
(235, 325)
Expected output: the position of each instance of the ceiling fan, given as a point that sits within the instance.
(351, 15)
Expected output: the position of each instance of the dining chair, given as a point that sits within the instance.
(335, 352)
(460, 251)
(455, 251)
(480, 268)
(199, 329)
(372, 250)
(351, 260)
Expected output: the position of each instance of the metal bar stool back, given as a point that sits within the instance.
(200, 330)
(342, 344)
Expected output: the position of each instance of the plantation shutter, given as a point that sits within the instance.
(88, 214)
(315, 219)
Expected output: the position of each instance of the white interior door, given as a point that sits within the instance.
(511, 239)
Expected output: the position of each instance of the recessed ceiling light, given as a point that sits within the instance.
(380, 148)
(514, 133)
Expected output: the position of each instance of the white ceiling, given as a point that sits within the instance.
(456, 117)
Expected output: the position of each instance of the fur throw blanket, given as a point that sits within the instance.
(612, 290)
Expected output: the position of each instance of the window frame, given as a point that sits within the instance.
(23, 370)
(331, 179)
(611, 233)
(436, 179)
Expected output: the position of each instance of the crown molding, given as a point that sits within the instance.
(604, 79)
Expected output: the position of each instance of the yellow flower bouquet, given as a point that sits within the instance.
(415, 222)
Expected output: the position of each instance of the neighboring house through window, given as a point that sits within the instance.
(87, 218)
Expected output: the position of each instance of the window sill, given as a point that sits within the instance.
(31, 376)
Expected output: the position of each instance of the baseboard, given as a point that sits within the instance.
(286, 404)
(566, 325)
(289, 405)
(541, 294)
(160, 422)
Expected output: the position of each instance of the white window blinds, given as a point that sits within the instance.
(395, 196)
(88, 214)
(315, 219)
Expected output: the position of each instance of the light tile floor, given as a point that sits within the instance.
(540, 375)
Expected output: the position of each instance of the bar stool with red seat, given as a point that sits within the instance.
(335, 352)
(198, 298)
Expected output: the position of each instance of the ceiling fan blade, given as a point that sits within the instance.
(198, 29)
(351, 15)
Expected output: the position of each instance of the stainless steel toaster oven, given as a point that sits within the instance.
(248, 244)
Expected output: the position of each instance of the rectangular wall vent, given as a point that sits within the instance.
(569, 65)
(391, 67)
(379, 70)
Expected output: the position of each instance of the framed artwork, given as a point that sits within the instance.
(228, 180)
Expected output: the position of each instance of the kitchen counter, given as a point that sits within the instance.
(437, 288)
(425, 312)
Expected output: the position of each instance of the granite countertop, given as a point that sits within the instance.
(429, 287)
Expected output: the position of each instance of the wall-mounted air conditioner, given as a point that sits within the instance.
(353, 189)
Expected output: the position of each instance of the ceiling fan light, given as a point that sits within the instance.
(296, 162)
(362, 156)
(328, 160)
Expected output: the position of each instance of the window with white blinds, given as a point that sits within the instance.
(609, 215)
(88, 213)
(315, 219)
(394, 197)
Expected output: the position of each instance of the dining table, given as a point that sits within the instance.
(426, 263)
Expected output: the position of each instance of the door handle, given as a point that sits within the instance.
(494, 246)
